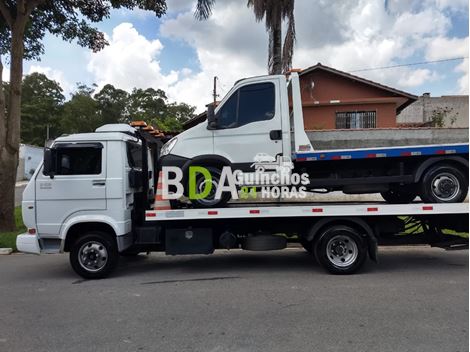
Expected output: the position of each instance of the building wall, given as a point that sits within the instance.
(421, 111)
(319, 88)
(378, 137)
(324, 117)
(328, 86)
(30, 158)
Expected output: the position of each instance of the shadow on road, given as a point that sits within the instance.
(295, 261)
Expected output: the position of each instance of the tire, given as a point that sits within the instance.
(94, 255)
(443, 183)
(210, 202)
(399, 195)
(307, 245)
(341, 250)
(264, 243)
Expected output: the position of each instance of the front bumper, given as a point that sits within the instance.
(173, 160)
(28, 244)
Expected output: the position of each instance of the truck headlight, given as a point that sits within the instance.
(166, 149)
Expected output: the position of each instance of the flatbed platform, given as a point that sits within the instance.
(270, 210)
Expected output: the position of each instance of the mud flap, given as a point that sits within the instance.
(373, 248)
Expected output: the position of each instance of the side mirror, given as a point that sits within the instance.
(49, 163)
(211, 119)
(135, 178)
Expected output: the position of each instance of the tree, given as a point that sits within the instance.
(81, 112)
(23, 25)
(274, 12)
(41, 106)
(147, 104)
(112, 104)
(152, 106)
(174, 117)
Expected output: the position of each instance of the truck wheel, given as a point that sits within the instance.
(94, 255)
(341, 250)
(210, 201)
(400, 195)
(443, 183)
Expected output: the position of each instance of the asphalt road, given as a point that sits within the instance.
(416, 299)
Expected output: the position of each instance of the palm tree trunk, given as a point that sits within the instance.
(275, 68)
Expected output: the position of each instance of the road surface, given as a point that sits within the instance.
(415, 299)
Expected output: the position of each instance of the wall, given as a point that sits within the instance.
(348, 95)
(421, 111)
(324, 117)
(329, 86)
(30, 158)
(369, 138)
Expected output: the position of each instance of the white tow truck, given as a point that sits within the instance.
(263, 115)
(93, 196)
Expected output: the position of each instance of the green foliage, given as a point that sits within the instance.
(80, 112)
(8, 239)
(44, 106)
(68, 19)
(112, 104)
(440, 114)
(145, 104)
(40, 109)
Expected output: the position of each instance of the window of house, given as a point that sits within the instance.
(77, 160)
(251, 103)
(356, 119)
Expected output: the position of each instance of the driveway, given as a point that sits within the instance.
(415, 299)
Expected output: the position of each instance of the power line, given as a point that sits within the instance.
(410, 64)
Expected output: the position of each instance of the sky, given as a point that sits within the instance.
(181, 55)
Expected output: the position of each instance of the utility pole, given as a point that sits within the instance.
(214, 93)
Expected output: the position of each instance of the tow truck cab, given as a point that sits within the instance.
(89, 178)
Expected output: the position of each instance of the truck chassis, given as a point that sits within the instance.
(339, 236)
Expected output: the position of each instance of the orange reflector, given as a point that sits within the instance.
(32, 231)
(428, 207)
(372, 209)
(138, 124)
(317, 210)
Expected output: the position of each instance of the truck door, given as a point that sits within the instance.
(249, 123)
(79, 185)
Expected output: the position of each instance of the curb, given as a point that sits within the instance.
(6, 251)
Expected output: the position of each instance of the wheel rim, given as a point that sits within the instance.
(210, 199)
(342, 251)
(93, 256)
(445, 186)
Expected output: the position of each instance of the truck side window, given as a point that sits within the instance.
(227, 115)
(79, 161)
(134, 155)
(251, 103)
(256, 103)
